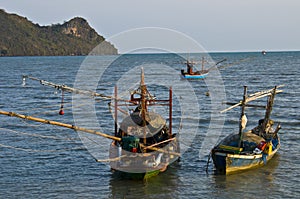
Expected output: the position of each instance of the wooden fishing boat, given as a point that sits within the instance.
(191, 74)
(143, 144)
(253, 148)
(147, 143)
(199, 74)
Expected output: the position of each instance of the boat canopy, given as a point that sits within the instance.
(135, 126)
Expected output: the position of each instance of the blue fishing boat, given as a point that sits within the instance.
(199, 74)
(253, 148)
(194, 75)
(191, 74)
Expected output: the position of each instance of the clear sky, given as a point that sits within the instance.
(218, 25)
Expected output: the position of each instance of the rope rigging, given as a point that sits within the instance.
(35, 151)
(69, 89)
(74, 140)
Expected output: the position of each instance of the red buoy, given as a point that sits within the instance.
(61, 111)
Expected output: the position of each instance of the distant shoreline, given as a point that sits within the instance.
(158, 53)
(21, 37)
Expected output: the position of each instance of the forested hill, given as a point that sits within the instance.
(20, 37)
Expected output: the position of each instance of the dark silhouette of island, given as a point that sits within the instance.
(21, 37)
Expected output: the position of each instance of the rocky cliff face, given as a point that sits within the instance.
(20, 37)
(80, 28)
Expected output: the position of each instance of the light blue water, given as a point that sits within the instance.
(59, 166)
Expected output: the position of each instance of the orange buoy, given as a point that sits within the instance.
(61, 111)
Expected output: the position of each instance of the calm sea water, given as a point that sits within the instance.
(42, 161)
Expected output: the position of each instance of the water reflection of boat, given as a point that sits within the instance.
(245, 182)
(250, 149)
(161, 185)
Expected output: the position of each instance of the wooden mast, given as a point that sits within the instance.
(143, 104)
(116, 111)
(170, 111)
(268, 110)
(242, 118)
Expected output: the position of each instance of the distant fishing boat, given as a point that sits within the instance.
(245, 150)
(143, 145)
(199, 74)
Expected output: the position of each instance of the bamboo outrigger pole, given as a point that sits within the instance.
(252, 97)
(77, 128)
(70, 126)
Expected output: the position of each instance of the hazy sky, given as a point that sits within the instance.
(218, 25)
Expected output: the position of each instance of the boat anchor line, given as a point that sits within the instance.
(38, 151)
(40, 136)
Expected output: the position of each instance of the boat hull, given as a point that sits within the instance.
(228, 163)
(135, 176)
(187, 76)
(141, 166)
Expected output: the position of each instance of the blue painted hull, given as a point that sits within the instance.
(228, 162)
(186, 76)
